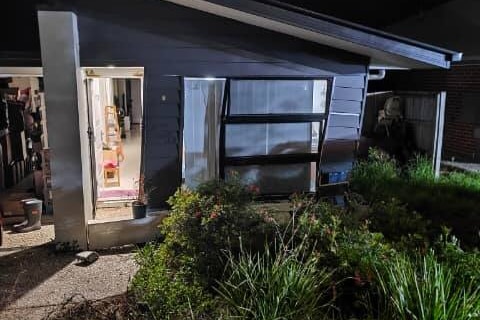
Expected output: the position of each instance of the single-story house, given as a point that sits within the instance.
(271, 91)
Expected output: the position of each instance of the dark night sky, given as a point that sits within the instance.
(20, 31)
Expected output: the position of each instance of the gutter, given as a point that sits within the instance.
(378, 75)
(453, 55)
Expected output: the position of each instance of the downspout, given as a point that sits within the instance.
(378, 75)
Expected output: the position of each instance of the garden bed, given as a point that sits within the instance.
(224, 256)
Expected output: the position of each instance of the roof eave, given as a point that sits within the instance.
(399, 52)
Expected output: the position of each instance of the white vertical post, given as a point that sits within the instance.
(67, 125)
(439, 127)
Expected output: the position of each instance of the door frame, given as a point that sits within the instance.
(89, 73)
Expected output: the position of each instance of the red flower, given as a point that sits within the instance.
(213, 215)
(253, 188)
(358, 278)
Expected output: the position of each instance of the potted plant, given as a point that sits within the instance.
(139, 206)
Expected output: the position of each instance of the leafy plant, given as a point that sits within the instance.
(346, 247)
(423, 289)
(451, 200)
(169, 293)
(177, 277)
(399, 224)
(464, 264)
(372, 176)
(420, 170)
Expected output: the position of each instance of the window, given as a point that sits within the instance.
(201, 127)
(272, 131)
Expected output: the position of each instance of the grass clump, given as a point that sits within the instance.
(277, 284)
(424, 289)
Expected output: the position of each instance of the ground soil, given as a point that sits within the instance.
(36, 279)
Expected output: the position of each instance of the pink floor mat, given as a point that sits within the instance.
(116, 194)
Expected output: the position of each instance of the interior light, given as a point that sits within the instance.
(210, 78)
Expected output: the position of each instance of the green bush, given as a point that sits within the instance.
(451, 200)
(170, 293)
(177, 277)
(464, 264)
(281, 284)
(343, 258)
(399, 224)
(424, 289)
(342, 242)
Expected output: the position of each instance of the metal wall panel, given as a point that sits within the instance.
(171, 42)
(342, 134)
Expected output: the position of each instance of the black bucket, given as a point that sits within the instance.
(139, 210)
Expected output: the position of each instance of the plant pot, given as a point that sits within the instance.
(139, 210)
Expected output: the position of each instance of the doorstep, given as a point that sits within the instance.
(114, 232)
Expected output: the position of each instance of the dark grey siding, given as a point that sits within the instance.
(172, 41)
(343, 125)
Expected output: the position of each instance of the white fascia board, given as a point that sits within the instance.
(21, 72)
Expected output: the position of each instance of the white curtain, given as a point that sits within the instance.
(201, 129)
(101, 95)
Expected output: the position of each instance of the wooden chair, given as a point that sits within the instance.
(111, 169)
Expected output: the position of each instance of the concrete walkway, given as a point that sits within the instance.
(34, 278)
(463, 166)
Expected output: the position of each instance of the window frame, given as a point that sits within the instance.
(274, 159)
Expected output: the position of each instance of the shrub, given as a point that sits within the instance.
(205, 222)
(347, 248)
(452, 200)
(399, 224)
(424, 289)
(341, 242)
(280, 284)
(464, 264)
(177, 277)
(170, 293)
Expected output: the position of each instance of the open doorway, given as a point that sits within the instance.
(115, 114)
(24, 157)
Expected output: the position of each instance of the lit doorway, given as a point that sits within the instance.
(115, 111)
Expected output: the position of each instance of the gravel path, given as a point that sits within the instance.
(13, 242)
(34, 278)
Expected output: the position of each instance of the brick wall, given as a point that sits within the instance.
(458, 82)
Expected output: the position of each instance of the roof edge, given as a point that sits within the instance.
(326, 30)
(455, 56)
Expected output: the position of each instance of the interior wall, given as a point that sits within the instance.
(20, 82)
(137, 112)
